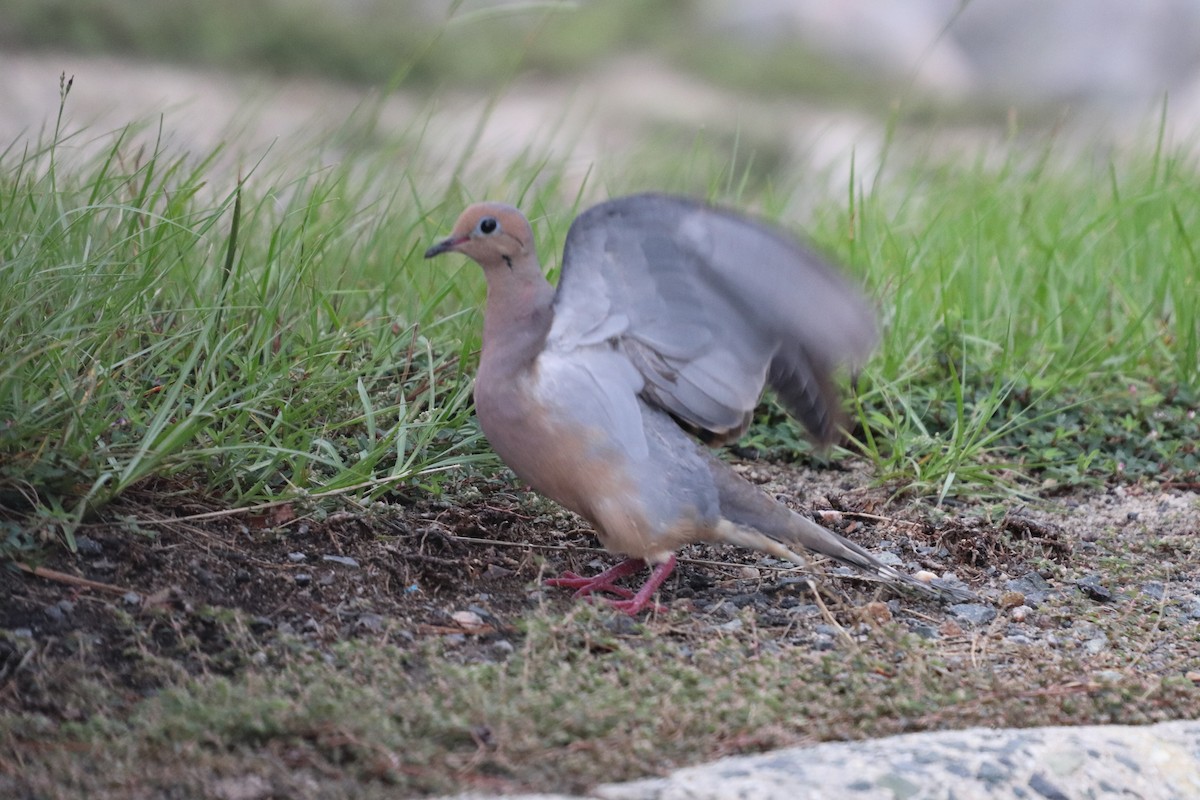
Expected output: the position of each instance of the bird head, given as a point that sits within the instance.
(494, 235)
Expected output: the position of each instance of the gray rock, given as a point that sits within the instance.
(1156, 762)
(87, 546)
(972, 613)
(1095, 589)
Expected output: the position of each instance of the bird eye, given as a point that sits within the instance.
(488, 225)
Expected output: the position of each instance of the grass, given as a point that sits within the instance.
(161, 326)
(566, 710)
(277, 336)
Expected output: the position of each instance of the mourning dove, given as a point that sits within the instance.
(668, 320)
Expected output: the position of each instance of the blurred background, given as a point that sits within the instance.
(790, 87)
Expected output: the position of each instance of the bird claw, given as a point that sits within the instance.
(586, 586)
(631, 603)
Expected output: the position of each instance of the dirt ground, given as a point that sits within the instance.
(135, 606)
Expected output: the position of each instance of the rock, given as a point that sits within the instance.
(87, 546)
(1094, 589)
(1020, 613)
(1033, 586)
(926, 631)
(973, 613)
(1154, 762)
(1012, 599)
(495, 572)
(1154, 590)
(889, 558)
(469, 621)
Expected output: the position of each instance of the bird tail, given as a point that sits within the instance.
(752, 519)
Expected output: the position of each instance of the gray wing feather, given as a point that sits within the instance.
(710, 306)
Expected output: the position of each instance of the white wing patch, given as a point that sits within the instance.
(597, 388)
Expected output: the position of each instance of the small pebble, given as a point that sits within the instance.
(469, 621)
(87, 546)
(373, 623)
(822, 642)
(132, 598)
(973, 613)
(1012, 599)
(1020, 613)
(1094, 646)
(876, 612)
(54, 613)
(749, 573)
(925, 576)
(621, 624)
(495, 572)
(326, 579)
(297, 557)
(1192, 608)
(1094, 589)
(950, 628)
(889, 558)
(1029, 582)
(345, 561)
(503, 646)
(302, 579)
(926, 631)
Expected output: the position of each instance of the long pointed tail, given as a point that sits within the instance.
(752, 519)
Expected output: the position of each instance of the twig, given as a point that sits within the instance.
(873, 517)
(845, 637)
(73, 580)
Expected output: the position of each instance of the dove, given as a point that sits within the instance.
(606, 393)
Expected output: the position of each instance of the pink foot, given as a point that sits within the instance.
(599, 583)
(632, 603)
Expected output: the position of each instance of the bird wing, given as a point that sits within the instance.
(709, 306)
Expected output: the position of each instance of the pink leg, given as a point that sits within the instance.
(633, 603)
(642, 598)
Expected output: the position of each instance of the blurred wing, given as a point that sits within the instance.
(709, 306)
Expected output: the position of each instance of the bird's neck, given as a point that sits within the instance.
(516, 319)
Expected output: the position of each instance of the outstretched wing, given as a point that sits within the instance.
(710, 306)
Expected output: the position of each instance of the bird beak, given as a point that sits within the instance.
(445, 246)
